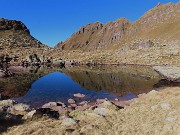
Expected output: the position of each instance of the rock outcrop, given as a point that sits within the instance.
(169, 73)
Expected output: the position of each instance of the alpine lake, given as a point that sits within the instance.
(40, 85)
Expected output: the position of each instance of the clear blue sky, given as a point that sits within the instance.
(52, 21)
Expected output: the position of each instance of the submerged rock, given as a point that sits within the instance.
(169, 73)
(79, 95)
(49, 105)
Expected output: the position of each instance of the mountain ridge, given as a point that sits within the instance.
(150, 19)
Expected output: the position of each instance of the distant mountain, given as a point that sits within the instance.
(158, 26)
(153, 39)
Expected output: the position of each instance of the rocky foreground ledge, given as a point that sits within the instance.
(169, 73)
(157, 112)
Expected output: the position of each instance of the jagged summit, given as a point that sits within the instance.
(154, 24)
(96, 35)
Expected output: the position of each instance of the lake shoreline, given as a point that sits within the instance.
(161, 106)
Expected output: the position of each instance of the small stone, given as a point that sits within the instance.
(116, 99)
(83, 103)
(29, 115)
(71, 101)
(73, 105)
(171, 119)
(101, 111)
(49, 105)
(165, 106)
(154, 107)
(68, 122)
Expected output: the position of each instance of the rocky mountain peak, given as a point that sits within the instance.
(6, 24)
(159, 21)
(14, 34)
(90, 28)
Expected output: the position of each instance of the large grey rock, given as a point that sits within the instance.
(169, 73)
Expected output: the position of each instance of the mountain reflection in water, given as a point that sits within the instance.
(103, 82)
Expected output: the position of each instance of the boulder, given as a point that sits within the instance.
(169, 73)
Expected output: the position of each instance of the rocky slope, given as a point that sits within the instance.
(15, 40)
(153, 39)
(154, 113)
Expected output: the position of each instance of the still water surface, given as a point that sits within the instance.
(97, 82)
